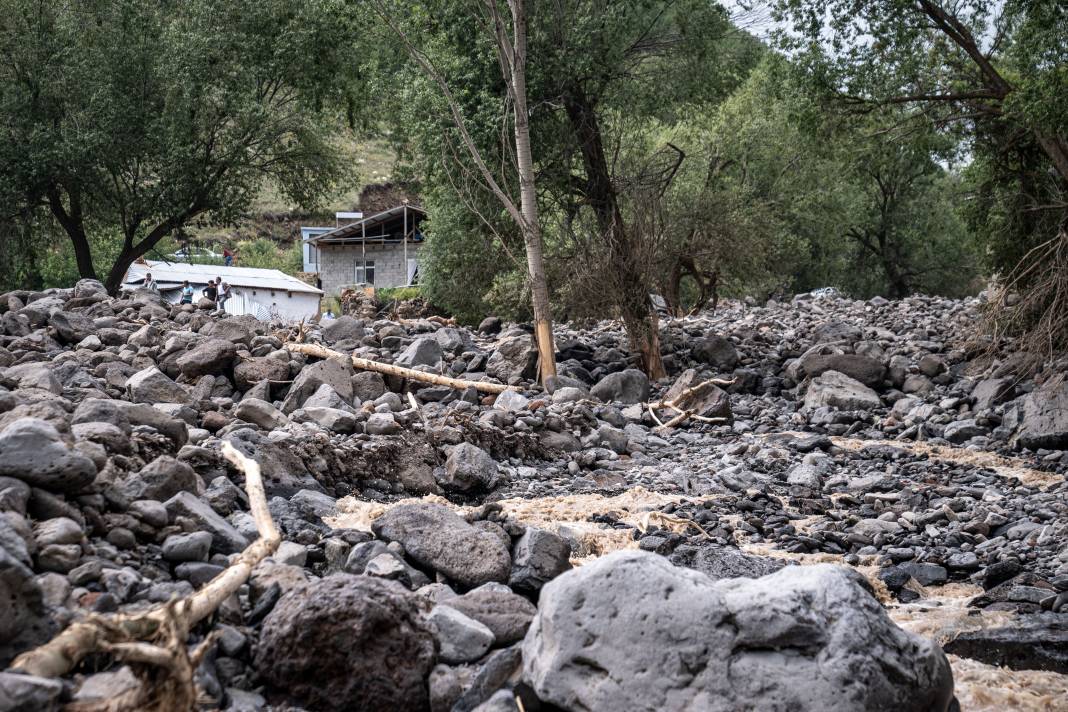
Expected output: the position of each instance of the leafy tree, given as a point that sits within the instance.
(141, 116)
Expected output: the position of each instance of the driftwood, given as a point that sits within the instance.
(387, 368)
(154, 642)
(679, 402)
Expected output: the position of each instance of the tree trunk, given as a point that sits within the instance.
(636, 309)
(71, 222)
(528, 197)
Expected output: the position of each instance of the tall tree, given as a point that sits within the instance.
(506, 24)
(144, 116)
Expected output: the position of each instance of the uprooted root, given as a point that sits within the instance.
(1038, 319)
(153, 643)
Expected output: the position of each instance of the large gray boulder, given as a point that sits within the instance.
(344, 328)
(515, 358)
(860, 368)
(437, 538)
(24, 619)
(538, 557)
(424, 351)
(720, 562)
(629, 386)
(469, 468)
(348, 643)
(1043, 418)
(715, 351)
(151, 385)
(506, 614)
(336, 373)
(160, 480)
(993, 391)
(631, 631)
(840, 391)
(32, 450)
(251, 371)
(211, 356)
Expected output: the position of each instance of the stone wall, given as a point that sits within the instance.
(338, 265)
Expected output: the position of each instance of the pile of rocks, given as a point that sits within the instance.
(114, 497)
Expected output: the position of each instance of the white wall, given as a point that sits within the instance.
(300, 305)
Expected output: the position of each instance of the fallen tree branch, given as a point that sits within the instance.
(388, 368)
(155, 641)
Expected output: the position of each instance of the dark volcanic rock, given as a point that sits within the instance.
(31, 450)
(724, 562)
(437, 538)
(348, 643)
(1035, 642)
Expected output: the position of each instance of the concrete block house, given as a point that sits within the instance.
(381, 250)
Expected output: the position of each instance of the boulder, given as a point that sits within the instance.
(629, 386)
(840, 391)
(1043, 418)
(515, 358)
(71, 327)
(837, 332)
(437, 538)
(424, 351)
(368, 385)
(225, 538)
(29, 693)
(335, 372)
(715, 351)
(343, 328)
(31, 450)
(382, 424)
(1032, 642)
(152, 385)
(538, 557)
(251, 371)
(961, 431)
(860, 368)
(469, 468)
(631, 631)
(24, 619)
(711, 401)
(261, 413)
(724, 562)
(160, 480)
(460, 639)
(506, 614)
(211, 356)
(348, 644)
(993, 391)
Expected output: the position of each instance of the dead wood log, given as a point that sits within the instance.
(154, 642)
(679, 402)
(388, 368)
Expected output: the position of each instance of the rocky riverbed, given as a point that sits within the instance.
(866, 513)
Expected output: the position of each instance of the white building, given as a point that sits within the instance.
(264, 293)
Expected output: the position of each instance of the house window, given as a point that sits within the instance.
(365, 272)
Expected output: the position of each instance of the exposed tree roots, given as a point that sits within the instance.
(153, 643)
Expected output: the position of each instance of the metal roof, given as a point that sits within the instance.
(356, 229)
(177, 272)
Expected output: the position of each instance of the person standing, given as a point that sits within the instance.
(228, 256)
(211, 291)
(224, 294)
(150, 283)
(187, 293)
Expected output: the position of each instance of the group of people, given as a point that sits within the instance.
(217, 291)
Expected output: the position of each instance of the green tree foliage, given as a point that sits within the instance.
(137, 117)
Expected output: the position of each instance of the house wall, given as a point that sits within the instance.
(260, 303)
(337, 266)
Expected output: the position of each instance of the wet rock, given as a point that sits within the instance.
(383, 665)
(539, 556)
(722, 562)
(1032, 642)
(632, 631)
(437, 538)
